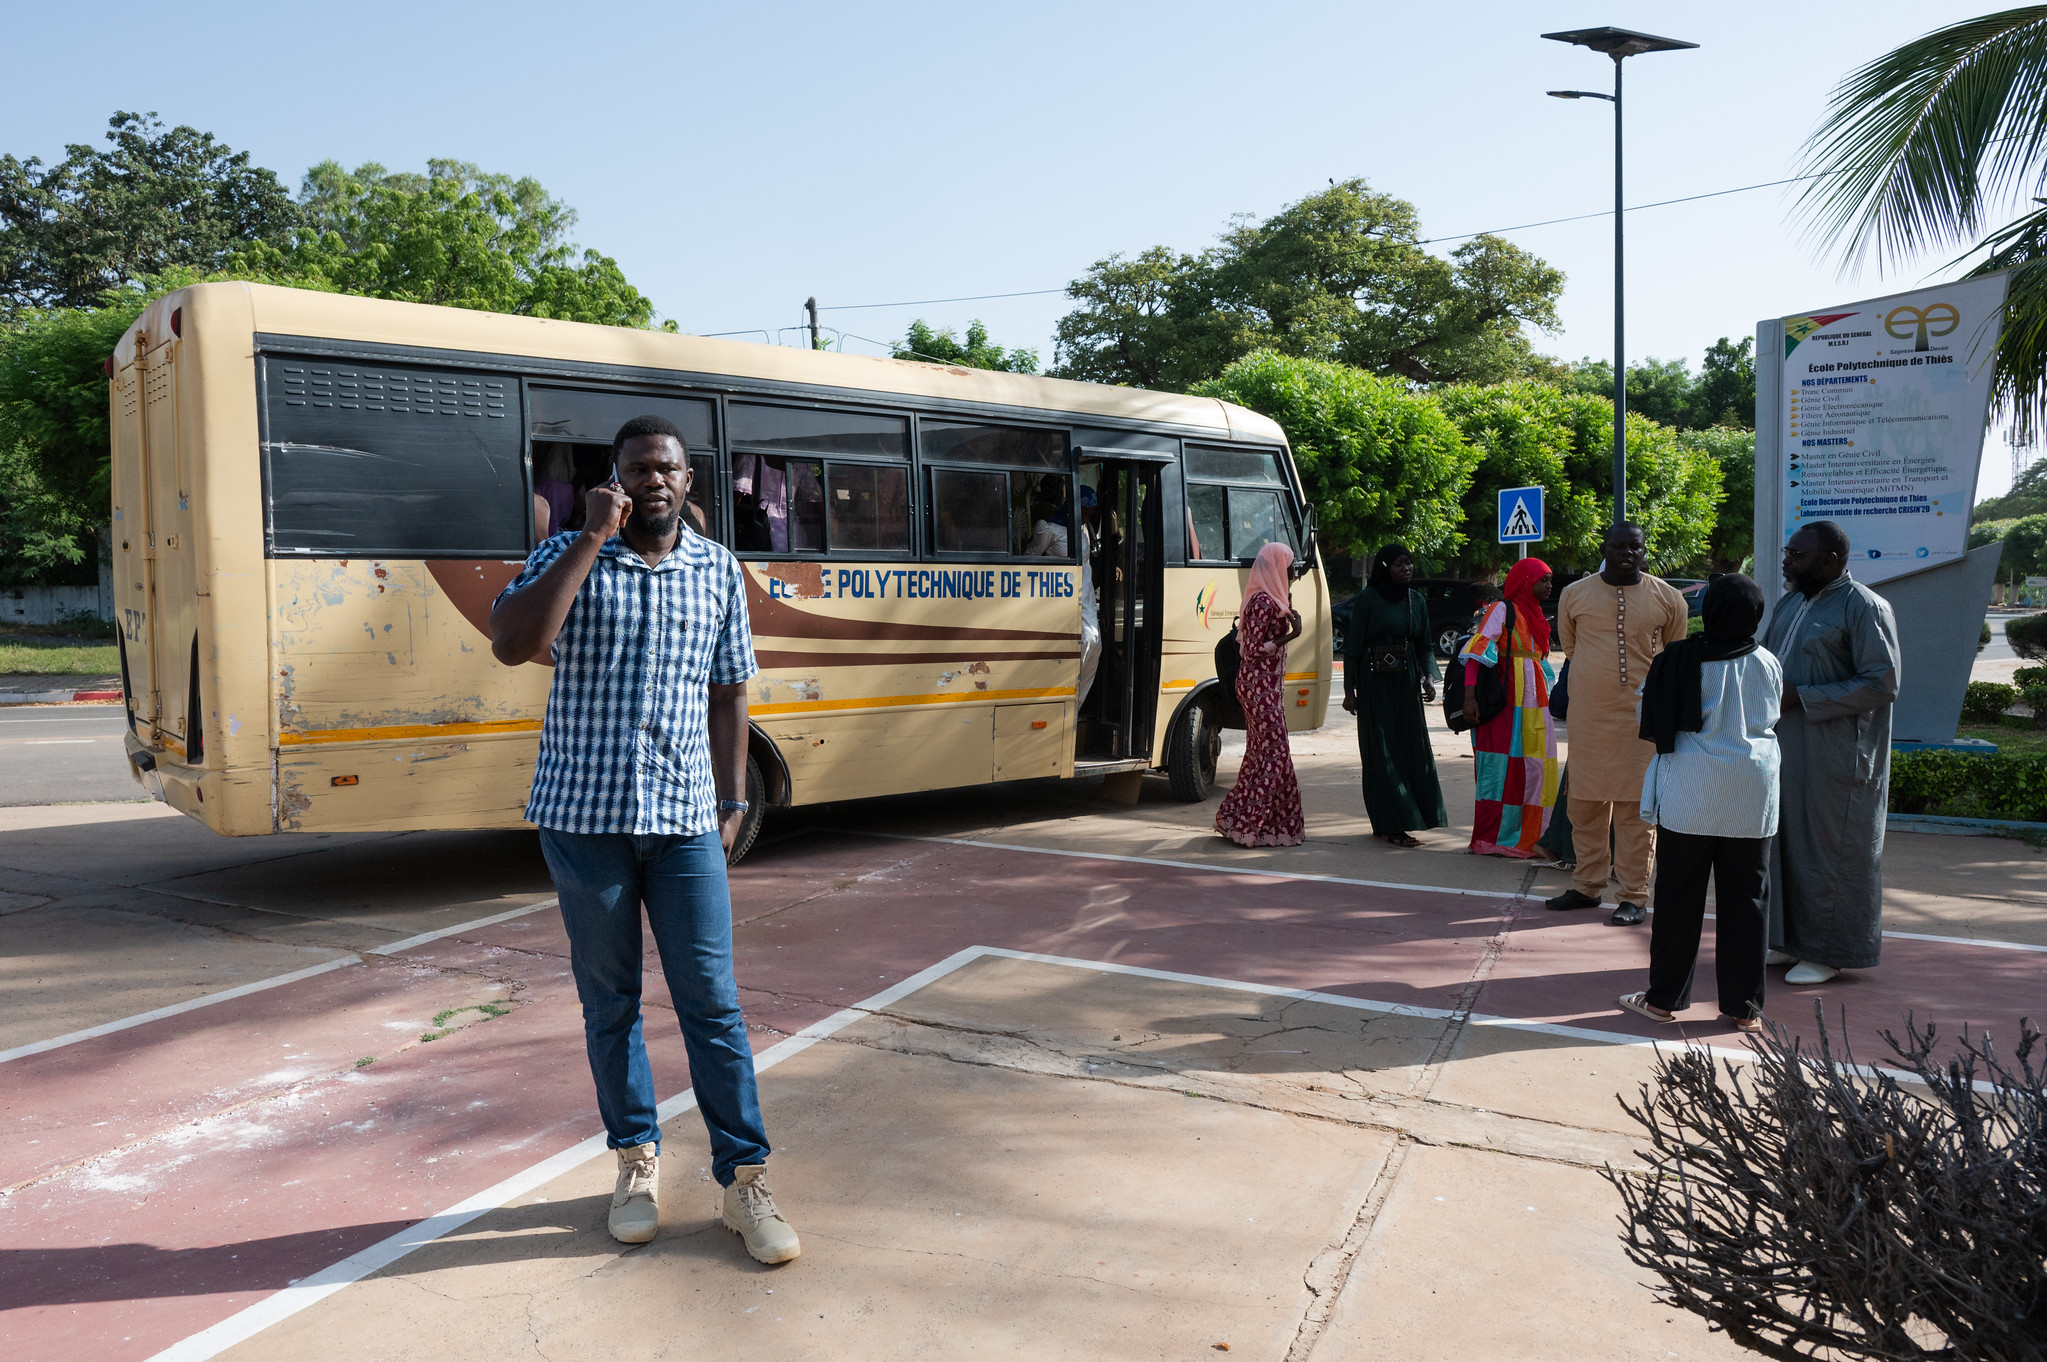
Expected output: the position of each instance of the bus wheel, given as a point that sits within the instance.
(757, 809)
(1190, 760)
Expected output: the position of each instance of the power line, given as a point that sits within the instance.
(928, 302)
(1607, 213)
(1429, 241)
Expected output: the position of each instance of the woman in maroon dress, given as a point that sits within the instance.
(1263, 809)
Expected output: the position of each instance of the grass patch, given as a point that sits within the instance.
(49, 657)
(365, 1061)
(2016, 736)
(440, 1022)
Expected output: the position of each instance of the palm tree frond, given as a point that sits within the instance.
(1918, 144)
(2018, 385)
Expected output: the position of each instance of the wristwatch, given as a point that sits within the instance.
(733, 806)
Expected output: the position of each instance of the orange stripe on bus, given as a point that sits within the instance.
(331, 735)
(890, 701)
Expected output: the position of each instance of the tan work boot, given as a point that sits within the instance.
(750, 1210)
(636, 1203)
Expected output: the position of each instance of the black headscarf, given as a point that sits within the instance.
(1381, 579)
(1671, 698)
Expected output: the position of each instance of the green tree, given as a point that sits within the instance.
(2025, 547)
(920, 342)
(53, 436)
(1733, 452)
(150, 202)
(1379, 460)
(1922, 148)
(455, 237)
(1724, 394)
(1659, 389)
(1532, 433)
(1341, 275)
(2028, 496)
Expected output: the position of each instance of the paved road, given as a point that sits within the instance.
(1998, 649)
(63, 754)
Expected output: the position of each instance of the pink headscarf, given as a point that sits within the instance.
(1268, 574)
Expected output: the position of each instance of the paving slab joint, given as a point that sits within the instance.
(1329, 1272)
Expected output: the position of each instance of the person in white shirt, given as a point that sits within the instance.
(1710, 705)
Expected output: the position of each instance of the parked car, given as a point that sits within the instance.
(1453, 610)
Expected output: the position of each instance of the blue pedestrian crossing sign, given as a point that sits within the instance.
(1520, 519)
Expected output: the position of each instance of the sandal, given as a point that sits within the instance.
(1746, 1025)
(1399, 839)
(1638, 1003)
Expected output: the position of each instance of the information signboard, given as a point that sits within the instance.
(1879, 422)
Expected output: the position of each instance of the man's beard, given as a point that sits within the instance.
(654, 527)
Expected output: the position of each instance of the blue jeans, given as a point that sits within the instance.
(602, 879)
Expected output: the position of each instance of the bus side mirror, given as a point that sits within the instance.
(1310, 529)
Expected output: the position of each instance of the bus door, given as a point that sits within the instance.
(1117, 716)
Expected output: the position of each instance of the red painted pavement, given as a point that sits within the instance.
(200, 1163)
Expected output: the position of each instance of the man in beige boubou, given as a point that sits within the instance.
(1611, 627)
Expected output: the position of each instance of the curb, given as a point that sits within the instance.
(1957, 827)
(55, 697)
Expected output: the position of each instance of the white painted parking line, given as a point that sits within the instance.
(244, 990)
(1190, 865)
(310, 1291)
(158, 1014)
(1338, 879)
(409, 942)
(57, 742)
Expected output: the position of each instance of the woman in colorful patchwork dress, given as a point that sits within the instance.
(1516, 749)
(1263, 809)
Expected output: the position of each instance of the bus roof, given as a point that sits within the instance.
(344, 317)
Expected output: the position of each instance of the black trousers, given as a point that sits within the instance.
(1740, 867)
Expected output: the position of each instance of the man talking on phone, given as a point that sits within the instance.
(639, 790)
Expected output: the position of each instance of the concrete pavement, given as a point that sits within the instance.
(1046, 1076)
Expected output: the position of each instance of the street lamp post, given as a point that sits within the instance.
(1620, 44)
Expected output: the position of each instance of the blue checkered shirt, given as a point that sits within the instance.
(626, 745)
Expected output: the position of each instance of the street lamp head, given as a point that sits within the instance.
(1578, 94)
(1619, 42)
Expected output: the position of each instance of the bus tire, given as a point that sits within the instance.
(756, 810)
(1191, 756)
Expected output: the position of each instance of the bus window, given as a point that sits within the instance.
(777, 504)
(393, 461)
(992, 511)
(1256, 519)
(588, 416)
(1208, 519)
(867, 507)
(781, 500)
(702, 507)
(815, 430)
(1231, 523)
(970, 511)
(1209, 464)
(951, 442)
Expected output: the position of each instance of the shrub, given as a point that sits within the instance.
(1966, 785)
(1983, 639)
(1813, 1209)
(2027, 635)
(2029, 676)
(1986, 701)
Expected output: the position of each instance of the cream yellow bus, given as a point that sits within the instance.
(317, 497)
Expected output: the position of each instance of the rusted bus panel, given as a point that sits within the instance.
(1033, 741)
(860, 753)
(368, 644)
(480, 782)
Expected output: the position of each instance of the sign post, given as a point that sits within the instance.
(1520, 518)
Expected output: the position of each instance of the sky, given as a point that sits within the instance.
(737, 159)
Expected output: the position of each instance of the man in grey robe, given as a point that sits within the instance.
(1839, 646)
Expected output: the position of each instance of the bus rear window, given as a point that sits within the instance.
(392, 461)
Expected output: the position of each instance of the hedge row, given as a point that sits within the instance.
(1964, 785)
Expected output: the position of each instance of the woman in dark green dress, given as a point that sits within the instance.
(1389, 672)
